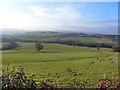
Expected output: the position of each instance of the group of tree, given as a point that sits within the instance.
(77, 43)
(87, 44)
(9, 46)
(115, 46)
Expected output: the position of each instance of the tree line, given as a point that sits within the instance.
(115, 47)
(9, 46)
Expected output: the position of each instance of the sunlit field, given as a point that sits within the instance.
(91, 63)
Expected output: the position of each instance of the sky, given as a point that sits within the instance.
(95, 17)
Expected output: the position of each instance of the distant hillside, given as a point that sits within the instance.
(75, 39)
(11, 31)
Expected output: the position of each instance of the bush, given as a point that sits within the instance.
(107, 82)
(116, 47)
(9, 46)
(17, 79)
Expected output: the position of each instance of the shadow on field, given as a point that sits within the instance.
(46, 52)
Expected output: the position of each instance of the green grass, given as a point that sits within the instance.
(81, 39)
(56, 58)
(89, 39)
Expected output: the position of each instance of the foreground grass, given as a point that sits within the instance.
(57, 58)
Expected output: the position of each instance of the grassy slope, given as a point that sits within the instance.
(56, 58)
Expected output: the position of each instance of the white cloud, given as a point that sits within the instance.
(65, 14)
(39, 18)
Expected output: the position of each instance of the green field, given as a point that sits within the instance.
(81, 39)
(56, 58)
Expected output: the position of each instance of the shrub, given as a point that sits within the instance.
(107, 82)
(9, 46)
(116, 47)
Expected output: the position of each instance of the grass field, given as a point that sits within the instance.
(81, 39)
(56, 58)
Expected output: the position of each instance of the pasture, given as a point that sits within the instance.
(57, 58)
